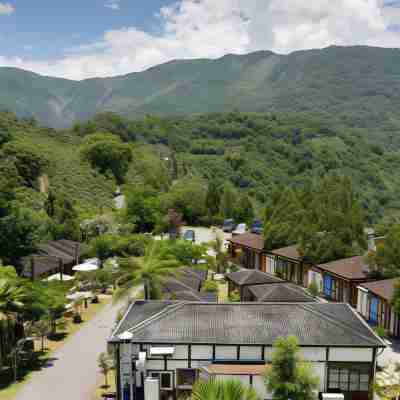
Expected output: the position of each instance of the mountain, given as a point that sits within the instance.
(359, 83)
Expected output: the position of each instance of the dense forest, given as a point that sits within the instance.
(260, 153)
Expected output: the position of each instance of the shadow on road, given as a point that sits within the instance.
(38, 361)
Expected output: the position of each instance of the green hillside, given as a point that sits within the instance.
(264, 152)
(359, 84)
(66, 172)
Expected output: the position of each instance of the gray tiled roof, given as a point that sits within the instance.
(251, 277)
(280, 292)
(139, 312)
(314, 324)
(191, 295)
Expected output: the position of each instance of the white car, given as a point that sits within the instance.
(240, 229)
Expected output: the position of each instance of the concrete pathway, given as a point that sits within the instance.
(72, 373)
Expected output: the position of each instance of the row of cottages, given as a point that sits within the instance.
(162, 347)
(247, 250)
(337, 281)
(375, 304)
(57, 256)
(254, 285)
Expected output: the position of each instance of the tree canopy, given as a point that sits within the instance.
(107, 152)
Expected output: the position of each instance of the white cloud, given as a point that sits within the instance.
(113, 5)
(6, 8)
(210, 28)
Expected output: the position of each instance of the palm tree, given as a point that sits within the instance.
(11, 297)
(223, 390)
(11, 304)
(149, 271)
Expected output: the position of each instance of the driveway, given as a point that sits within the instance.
(73, 372)
(390, 354)
(206, 235)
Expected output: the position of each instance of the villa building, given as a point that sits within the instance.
(162, 348)
(288, 264)
(241, 281)
(247, 250)
(339, 280)
(375, 305)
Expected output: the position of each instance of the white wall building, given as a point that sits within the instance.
(178, 342)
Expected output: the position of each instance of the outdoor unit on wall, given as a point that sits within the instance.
(152, 389)
(162, 351)
(141, 362)
(332, 396)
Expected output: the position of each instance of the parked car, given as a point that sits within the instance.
(257, 227)
(189, 235)
(228, 225)
(240, 229)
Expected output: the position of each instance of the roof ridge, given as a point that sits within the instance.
(165, 311)
(334, 321)
(364, 323)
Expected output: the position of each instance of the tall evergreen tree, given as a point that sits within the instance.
(244, 211)
(228, 201)
(333, 226)
(290, 377)
(213, 197)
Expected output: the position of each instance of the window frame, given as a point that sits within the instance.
(157, 374)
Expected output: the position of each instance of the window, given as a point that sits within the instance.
(186, 378)
(165, 378)
(346, 378)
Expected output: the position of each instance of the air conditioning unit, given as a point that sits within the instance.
(332, 396)
(141, 362)
(151, 389)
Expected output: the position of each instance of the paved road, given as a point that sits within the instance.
(390, 354)
(73, 373)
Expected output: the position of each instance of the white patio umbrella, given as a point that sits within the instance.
(85, 267)
(75, 296)
(60, 277)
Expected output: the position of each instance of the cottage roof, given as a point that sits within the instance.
(251, 277)
(249, 240)
(383, 289)
(288, 252)
(280, 292)
(314, 324)
(353, 268)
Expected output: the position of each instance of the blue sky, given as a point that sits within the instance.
(86, 38)
(47, 30)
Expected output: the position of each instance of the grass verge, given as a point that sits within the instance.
(9, 389)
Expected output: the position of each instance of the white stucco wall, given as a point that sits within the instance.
(226, 353)
(350, 354)
(202, 352)
(250, 352)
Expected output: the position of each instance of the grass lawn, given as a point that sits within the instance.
(103, 389)
(8, 390)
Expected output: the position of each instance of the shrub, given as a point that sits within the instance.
(313, 288)
(210, 287)
(380, 331)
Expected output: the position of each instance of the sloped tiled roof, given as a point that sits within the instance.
(288, 252)
(250, 240)
(314, 324)
(384, 288)
(280, 292)
(251, 277)
(352, 268)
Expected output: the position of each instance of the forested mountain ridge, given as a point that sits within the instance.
(360, 84)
